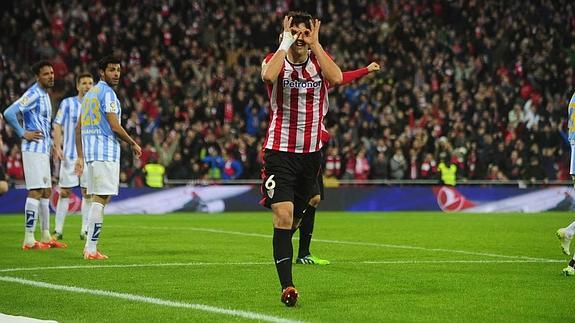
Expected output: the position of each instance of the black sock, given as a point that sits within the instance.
(283, 253)
(305, 231)
(572, 263)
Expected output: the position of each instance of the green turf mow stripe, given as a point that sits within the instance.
(199, 264)
(145, 299)
(354, 243)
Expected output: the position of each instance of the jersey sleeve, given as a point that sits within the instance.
(61, 114)
(27, 101)
(350, 76)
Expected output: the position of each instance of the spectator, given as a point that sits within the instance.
(361, 171)
(333, 163)
(380, 167)
(444, 85)
(398, 165)
(231, 168)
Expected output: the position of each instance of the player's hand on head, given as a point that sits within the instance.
(311, 37)
(287, 24)
(373, 67)
(33, 135)
(289, 34)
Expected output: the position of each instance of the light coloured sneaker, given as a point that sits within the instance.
(94, 256)
(565, 240)
(569, 271)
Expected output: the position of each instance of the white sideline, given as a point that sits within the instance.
(355, 243)
(270, 263)
(4, 318)
(145, 299)
(169, 264)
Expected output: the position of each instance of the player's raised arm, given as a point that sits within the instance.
(119, 130)
(329, 68)
(350, 76)
(272, 68)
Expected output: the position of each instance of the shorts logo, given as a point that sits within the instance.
(30, 217)
(270, 184)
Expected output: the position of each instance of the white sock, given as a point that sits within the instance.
(30, 217)
(45, 219)
(86, 202)
(94, 227)
(570, 229)
(61, 211)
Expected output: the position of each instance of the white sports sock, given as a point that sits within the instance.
(61, 211)
(86, 202)
(570, 229)
(45, 219)
(94, 227)
(30, 217)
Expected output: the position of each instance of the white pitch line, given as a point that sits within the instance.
(145, 299)
(415, 262)
(174, 264)
(200, 264)
(354, 243)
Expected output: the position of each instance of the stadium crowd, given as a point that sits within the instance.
(483, 83)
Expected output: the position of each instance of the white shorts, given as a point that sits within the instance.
(572, 165)
(103, 177)
(68, 177)
(37, 170)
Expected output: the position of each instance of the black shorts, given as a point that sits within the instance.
(287, 174)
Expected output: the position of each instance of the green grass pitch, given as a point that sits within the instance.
(424, 267)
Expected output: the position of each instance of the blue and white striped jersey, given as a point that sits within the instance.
(36, 110)
(67, 117)
(571, 110)
(99, 142)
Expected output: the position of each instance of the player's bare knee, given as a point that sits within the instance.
(35, 193)
(46, 192)
(102, 199)
(283, 215)
(85, 193)
(314, 201)
(65, 193)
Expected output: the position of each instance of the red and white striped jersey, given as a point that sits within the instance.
(298, 104)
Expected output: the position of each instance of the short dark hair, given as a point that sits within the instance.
(83, 75)
(36, 67)
(110, 59)
(300, 17)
